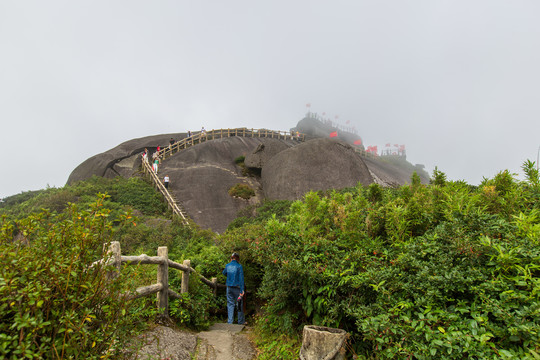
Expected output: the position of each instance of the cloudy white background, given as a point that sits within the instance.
(456, 81)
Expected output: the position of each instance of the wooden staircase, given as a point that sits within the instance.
(202, 136)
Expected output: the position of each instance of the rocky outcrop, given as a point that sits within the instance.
(314, 128)
(201, 175)
(318, 164)
(264, 152)
(122, 160)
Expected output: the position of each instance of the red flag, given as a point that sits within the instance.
(396, 145)
(402, 147)
(388, 145)
(333, 134)
(348, 122)
(308, 105)
(358, 142)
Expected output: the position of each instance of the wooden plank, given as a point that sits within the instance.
(142, 259)
(145, 291)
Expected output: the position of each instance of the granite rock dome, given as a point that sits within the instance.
(201, 175)
(318, 164)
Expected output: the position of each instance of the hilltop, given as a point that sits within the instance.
(202, 175)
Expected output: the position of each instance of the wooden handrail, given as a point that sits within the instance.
(161, 288)
(170, 200)
(199, 137)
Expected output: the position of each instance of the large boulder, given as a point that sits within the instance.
(122, 160)
(201, 176)
(318, 164)
(264, 152)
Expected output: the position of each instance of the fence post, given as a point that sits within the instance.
(214, 290)
(163, 278)
(116, 252)
(185, 277)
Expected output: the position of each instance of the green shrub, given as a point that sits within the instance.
(447, 271)
(274, 345)
(242, 191)
(54, 303)
(134, 193)
(240, 159)
(195, 308)
(139, 194)
(262, 212)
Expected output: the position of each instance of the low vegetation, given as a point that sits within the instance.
(54, 302)
(445, 270)
(243, 191)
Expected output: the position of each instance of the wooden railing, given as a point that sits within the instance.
(161, 288)
(363, 152)
(199, 137)
(168, 197)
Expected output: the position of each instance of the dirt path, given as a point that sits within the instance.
(225, 342)
(220, 342)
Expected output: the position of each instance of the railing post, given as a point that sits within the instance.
(185, 277)
(214, 290)
(163, 279)
(116, 252)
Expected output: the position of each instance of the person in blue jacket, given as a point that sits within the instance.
(235, 288)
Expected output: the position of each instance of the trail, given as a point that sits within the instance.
(224, 342)
(221, 342)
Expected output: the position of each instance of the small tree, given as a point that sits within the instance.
(438, 177)
(55, 303)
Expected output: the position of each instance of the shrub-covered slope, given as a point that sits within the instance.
(446, 271)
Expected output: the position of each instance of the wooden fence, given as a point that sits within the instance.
(200, 136)
(161, 287)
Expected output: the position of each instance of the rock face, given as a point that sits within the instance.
(122, 160)
(318, 164)
(201, 176)
(264, 152)
(314, 128)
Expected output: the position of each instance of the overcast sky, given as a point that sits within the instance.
(456, 81)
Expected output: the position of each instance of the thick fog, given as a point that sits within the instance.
(456, 82)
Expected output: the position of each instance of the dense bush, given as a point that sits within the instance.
(445, 271)
(239, 160)
(134, 193)
(257, 214)
(54, 302)
(196, 308)
(243, 191)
